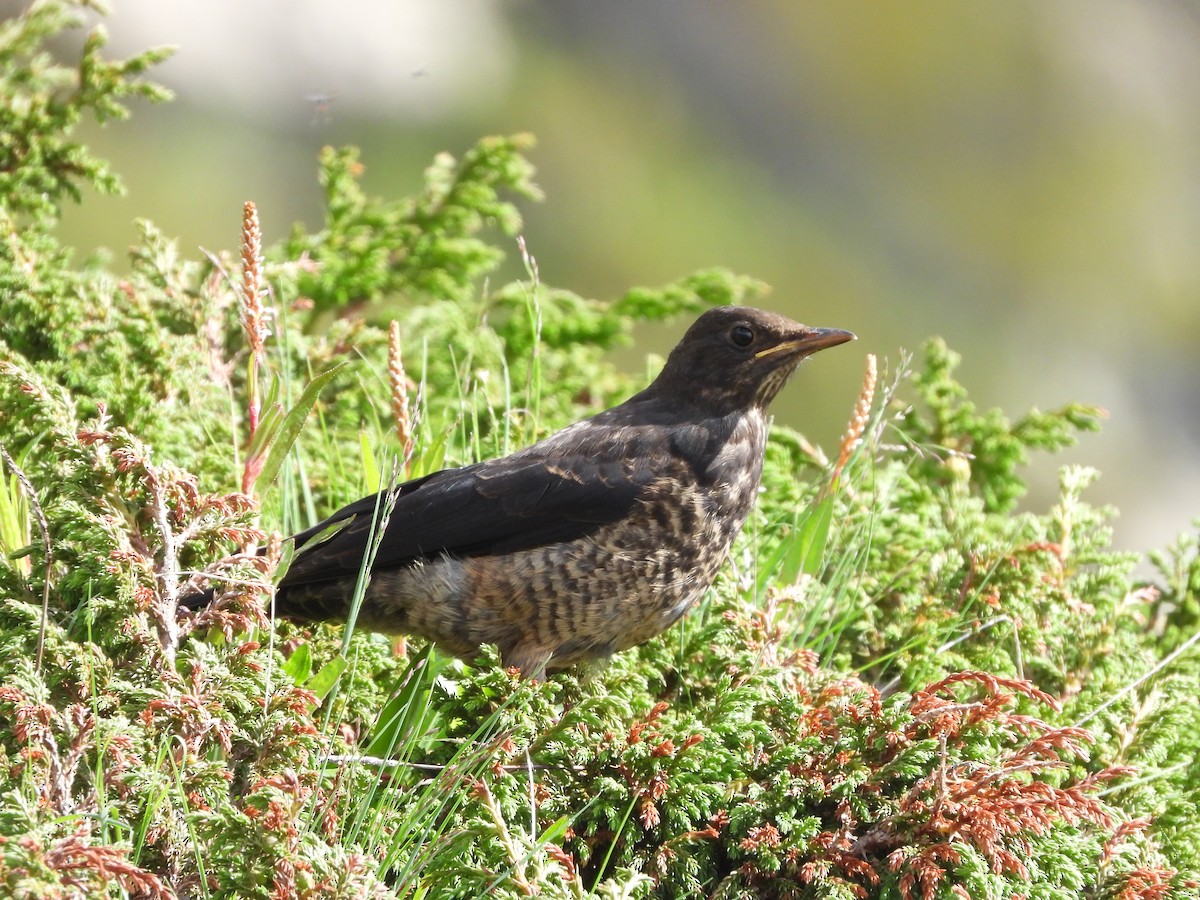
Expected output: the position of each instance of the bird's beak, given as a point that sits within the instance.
(812, 340)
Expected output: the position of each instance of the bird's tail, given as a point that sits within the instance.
(324, 602)
(196, 602)
(327, 601)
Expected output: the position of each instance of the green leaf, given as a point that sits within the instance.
(292, 423)
(431, 459)
(406, 716)
(270, 419)
(14, 518)
(808, 549)
(299, 665)
(323, 682)
(802, 550)
(555, 831)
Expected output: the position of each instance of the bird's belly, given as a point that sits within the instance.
(575, 600)
(600, 594)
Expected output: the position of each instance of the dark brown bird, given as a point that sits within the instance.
(588, 542)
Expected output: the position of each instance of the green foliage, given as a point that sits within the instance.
(986, 449)
(422, 248)
(41, 102)
(899, 687)
(1177, 607)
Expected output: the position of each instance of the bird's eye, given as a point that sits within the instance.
(741, 335)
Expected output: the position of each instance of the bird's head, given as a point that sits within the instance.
(738, 357)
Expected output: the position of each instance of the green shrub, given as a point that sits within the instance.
(899, 687)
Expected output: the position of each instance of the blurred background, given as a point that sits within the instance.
(1021, 178)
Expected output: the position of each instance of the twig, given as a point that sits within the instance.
(168, 628)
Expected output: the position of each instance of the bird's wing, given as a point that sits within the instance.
(499, 506)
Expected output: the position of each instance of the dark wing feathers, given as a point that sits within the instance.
(366, 507)
(499, 506)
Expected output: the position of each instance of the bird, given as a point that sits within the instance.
(588, 542)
